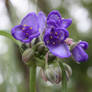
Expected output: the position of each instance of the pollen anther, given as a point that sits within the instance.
(30, 27)
(51, 37)
(24, 25)
(26, 33)
(56, 33)
(23, 28)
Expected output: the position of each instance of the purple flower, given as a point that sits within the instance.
(29, 27)
(78, 52)
(42, 21)
(55, 17)
(56, 33)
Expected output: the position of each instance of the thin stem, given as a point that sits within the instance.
(64, 79)
(64, 82)
(33, 78)
(39, 62)
(46, 60)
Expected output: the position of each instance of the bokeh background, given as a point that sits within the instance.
(14, 73)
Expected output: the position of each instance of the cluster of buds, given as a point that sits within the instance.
(53, 73)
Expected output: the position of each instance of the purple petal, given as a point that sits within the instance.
(31, 20)
(42, 21)
(64, 32)
(79, 54)
(61, 50)
(17, 32)
(66, 23)
(83, 44)
(54, 16)
(52, 24)
(26, 40)
(34, 35)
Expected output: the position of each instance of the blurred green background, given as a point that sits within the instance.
(14, 73)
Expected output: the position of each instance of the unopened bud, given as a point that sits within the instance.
(69, 41)
(41, 48)
(27, 55)
(43, 75)
(53, 73)
(68, 71)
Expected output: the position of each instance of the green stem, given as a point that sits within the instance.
(64, 79)
(39, 62)
(64, 82)
(33, 78)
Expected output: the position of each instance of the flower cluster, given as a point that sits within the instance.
(53, 28)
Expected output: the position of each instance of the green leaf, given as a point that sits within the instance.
(6, 34)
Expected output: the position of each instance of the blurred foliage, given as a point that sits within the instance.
(14, 74)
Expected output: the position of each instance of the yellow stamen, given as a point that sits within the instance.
(23, 28)
(26, 33)
(24, 25)
(30, 27)
(51, 37)
(25, 38)
(56, 33)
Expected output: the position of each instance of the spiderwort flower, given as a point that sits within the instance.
(29, 27)
(78, 52)
(56, 33)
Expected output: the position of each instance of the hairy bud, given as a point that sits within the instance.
(27, 55)
(53, 73)
(41, 48)
(68, 71)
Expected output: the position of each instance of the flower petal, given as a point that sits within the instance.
(51, 24)
(26, 40)
(66, 23)
(83, 44)
(17, 32)
(64, 34)
(79, 54)
(34, 35)
(42, 21)
(54, 16)
(31, 20)
(61, 50)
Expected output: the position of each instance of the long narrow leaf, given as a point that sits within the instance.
(6, 34)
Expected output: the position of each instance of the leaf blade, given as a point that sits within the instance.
(6, 34)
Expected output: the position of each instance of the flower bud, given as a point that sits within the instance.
(78, 51)
(68, 70)
(43, 75)
(53, 73)
(41, 48)
(69, 41)
(27, 55)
